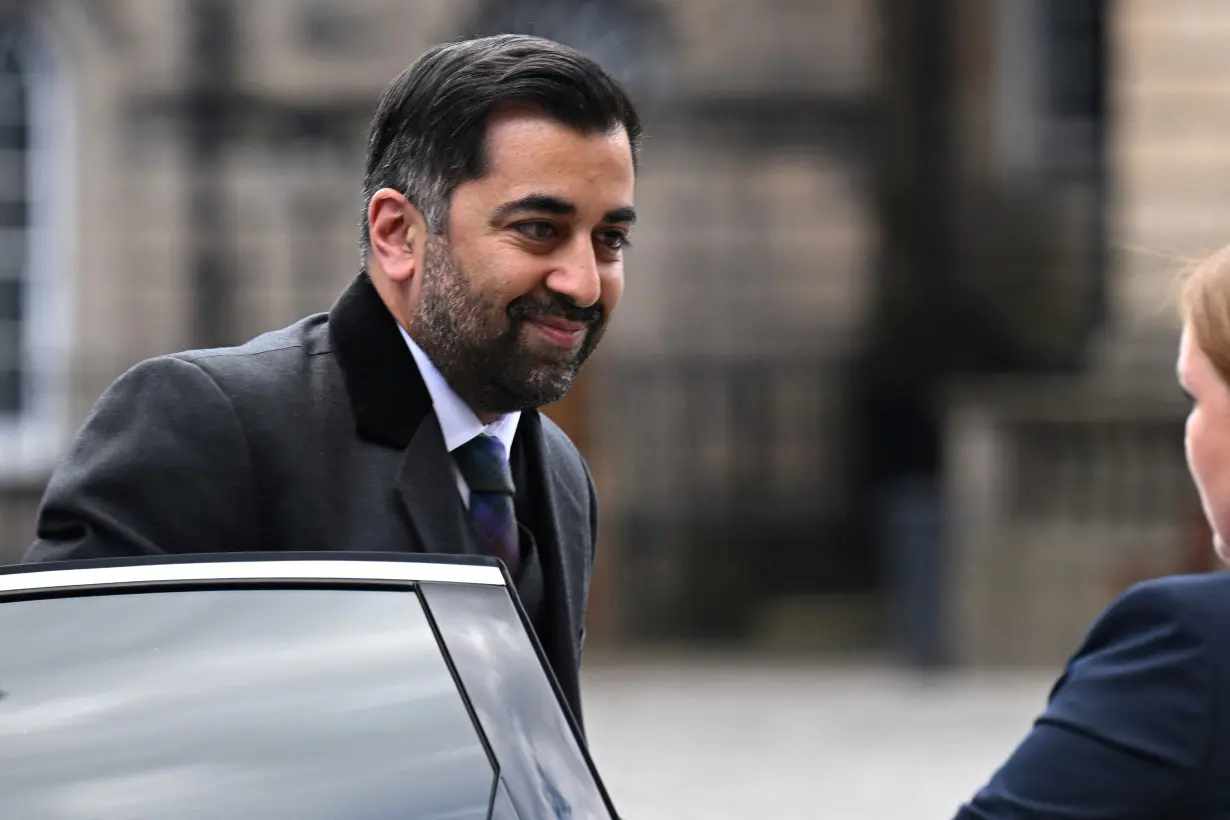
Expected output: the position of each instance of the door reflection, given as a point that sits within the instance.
(288, 703)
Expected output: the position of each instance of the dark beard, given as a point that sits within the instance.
(481, 350)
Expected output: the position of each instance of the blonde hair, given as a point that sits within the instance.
(1204, 305)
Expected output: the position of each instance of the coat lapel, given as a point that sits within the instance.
(392, 407)
(561, 639)
(425, 486)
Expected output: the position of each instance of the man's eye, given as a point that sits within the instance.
(536, 230)
(615, 240)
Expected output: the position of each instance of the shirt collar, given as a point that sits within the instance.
(458, 422)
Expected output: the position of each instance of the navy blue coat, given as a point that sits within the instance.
(1139, 723)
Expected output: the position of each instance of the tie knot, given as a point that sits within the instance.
(484, 465)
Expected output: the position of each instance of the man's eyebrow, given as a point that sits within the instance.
(535, 203)
(549, 204)
(625, 214)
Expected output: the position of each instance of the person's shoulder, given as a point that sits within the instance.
(1130, 726)
(269, 363)
(307, 337)
(1190, 591)
(1194, 604)
(270, 367)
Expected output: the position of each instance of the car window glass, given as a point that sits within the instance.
(286, 704)
(541, 762)
(502, 808)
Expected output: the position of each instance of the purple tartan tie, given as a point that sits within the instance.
(485, 469)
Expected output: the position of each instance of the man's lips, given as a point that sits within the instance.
(562, 332)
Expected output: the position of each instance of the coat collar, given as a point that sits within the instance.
(387, 395)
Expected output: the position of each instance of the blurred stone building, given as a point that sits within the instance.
(884, 362)
(1063, 491)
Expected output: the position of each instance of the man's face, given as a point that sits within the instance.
(515, 299)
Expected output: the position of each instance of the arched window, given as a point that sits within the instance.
(34, 243)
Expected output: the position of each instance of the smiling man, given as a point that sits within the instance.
(498, 199)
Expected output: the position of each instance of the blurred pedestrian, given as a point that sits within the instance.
(1137, 725)
(498, 198)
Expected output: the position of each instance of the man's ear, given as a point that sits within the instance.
(398, 234)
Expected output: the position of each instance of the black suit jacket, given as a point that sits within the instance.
(1137, 726)
(318, 436)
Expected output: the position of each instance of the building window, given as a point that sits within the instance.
(1050, 88)
(1074, 98)
(14, 227)
(34, 242)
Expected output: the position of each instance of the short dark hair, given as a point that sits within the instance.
(429, 131)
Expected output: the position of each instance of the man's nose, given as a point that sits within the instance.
(577, 275)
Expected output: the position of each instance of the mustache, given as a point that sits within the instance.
(527, 307)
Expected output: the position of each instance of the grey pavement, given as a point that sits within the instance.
(758, 738)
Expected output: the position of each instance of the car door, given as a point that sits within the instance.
(280, 687)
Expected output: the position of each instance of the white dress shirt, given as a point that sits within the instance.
(457, 421)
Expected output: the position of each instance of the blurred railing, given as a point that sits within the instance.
(722, 485)
(1059, 496)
